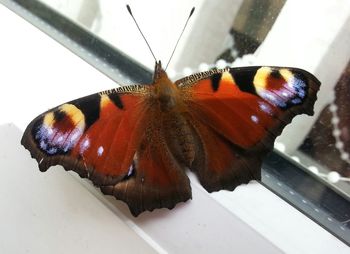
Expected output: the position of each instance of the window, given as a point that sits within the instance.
(310, 167)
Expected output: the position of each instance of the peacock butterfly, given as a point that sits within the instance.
(135, 142)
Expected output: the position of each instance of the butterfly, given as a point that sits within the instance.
(136, 142)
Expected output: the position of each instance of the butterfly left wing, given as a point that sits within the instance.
(237, 113)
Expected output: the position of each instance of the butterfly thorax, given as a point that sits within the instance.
(165, 92)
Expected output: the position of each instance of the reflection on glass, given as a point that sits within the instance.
(328, 143)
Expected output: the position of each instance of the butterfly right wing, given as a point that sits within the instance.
(157, 179)
(113, 138)
(95, 136)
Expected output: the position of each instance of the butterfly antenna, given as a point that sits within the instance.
(129, 10)
(183, 29)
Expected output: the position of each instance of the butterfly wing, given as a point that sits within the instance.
(237, 113)
(95, 136)
(109, 138)
(156, 179)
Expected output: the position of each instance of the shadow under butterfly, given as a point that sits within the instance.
(135, 142)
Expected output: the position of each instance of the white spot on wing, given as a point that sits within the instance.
(254, 118)
(265, 108)
(100, 151)
(84, 145)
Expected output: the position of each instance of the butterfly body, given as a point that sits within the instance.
(167, 101)
(136, 142)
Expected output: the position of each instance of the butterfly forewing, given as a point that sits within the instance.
(96, 136)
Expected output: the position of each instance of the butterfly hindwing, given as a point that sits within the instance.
(156, 178)
(237, 113)
(218, 163)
